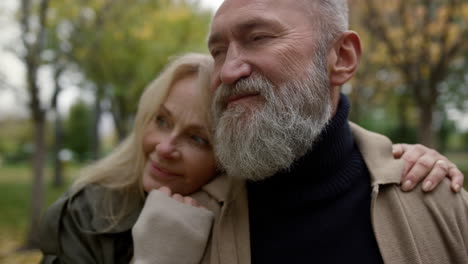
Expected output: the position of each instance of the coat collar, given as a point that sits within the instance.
(377, 152)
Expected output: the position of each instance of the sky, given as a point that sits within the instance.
(213, 4)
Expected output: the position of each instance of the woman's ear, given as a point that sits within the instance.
(344, 58)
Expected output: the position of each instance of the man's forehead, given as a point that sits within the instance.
(247, 9)
(229, 6)
(233, 7)
(237, 9)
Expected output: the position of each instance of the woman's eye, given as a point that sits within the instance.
(200, 140)
(161, 121)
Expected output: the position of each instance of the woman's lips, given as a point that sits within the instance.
(163, 173)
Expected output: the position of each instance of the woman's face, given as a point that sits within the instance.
(177, 143)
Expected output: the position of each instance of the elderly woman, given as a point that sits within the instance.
(147, 180)
(169, 146)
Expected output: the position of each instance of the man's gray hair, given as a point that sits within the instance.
(331, 16)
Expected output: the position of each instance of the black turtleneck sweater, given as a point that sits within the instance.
(319, 210)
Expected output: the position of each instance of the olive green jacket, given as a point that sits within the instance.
(73, 231)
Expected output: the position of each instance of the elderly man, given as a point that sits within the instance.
(308, 186)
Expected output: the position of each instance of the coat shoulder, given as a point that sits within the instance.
(429, 227)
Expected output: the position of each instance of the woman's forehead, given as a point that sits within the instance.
(186, 99)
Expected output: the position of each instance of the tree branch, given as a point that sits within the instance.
(447, 52)
(377, 28)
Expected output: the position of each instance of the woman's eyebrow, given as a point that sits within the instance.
(198, 128)
(164, 109)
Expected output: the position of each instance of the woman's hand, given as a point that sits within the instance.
(427, 165)
(183, 199)
(167, 226)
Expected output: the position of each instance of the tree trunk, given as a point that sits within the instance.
(120, 126)
(37, 194)
(58, 130)
(403, 133)
(425, 133)
(95, 141)
(39, 154)
(58, 142)
(32, 61)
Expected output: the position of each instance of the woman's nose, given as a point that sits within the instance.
(167, 149)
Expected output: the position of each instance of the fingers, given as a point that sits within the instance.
(422, 165)
(398, 150)
(165, 190)
(456, 176)
(178, 197)
(436, 175)
(426, 165)
(410, 154)
(190, 201)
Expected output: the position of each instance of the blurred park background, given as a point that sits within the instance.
(71, 72)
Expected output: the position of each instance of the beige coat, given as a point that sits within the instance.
(412, 227)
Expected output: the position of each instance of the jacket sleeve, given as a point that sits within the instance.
(67, 233)
(168, 231)
(418, 227)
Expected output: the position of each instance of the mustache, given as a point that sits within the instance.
(254, 84)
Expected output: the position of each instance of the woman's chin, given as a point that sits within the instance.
(149, 183)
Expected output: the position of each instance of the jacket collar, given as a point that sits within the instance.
(225, 189)
(377, 152)
(218, 188)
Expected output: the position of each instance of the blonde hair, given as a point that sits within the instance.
(122, 170)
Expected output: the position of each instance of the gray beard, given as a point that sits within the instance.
(255, 144)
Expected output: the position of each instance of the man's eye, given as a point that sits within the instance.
(216, 52)
(260, 37)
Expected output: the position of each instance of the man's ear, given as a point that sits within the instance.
(344, 58)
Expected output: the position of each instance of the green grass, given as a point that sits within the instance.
(15, 199)
(15, 194)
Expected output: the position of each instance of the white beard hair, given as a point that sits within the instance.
(256, 144)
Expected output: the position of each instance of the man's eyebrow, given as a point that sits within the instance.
(245, 26)
(213, 38)
(256, 22)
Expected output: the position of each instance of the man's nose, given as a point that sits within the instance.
(235, 67)
(167, 149)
